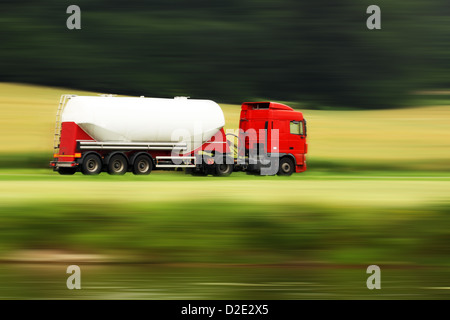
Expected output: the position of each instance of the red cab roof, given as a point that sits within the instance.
(265, 105)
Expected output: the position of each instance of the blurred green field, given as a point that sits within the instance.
(167, 217)
(367, 189)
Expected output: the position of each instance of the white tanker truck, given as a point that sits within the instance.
(121, 134)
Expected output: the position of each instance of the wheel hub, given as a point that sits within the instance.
(92, 166)
(117, 165)
(143, 166)
(286, 167)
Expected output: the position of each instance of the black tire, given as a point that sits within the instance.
(117, 164)
(91, 165)
(67, 171)
(142, 165)
(286, 167)
(223, 170)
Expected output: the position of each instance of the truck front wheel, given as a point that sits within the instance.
(286, 167)
(91, 165)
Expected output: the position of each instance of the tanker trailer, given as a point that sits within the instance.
(120, 134)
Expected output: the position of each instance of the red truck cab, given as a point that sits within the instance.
(276, 131)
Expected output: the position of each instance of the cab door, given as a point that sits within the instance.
(297, 136)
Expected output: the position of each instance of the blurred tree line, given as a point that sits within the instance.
(319, 52)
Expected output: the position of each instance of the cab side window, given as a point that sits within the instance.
(296, 127)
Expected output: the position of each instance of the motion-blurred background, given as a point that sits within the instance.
(315, 52)
(376, 191)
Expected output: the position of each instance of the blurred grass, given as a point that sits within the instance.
(399, 139)
(366, 189)
(345, 218)
(232, 232)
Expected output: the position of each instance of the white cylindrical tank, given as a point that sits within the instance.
(126, 119)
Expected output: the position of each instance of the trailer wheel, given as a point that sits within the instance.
(142, 165)
(91, 165)
(117, 165)
(286, 167)
(67, 171)
(223, 170)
